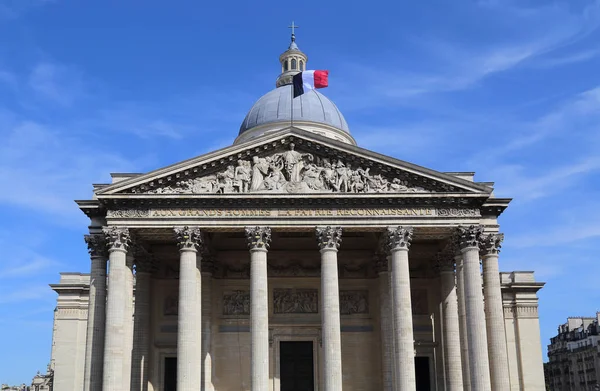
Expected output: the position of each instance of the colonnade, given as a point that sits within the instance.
(474, 346)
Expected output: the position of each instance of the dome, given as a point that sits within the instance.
(313, 111)
(311, 108)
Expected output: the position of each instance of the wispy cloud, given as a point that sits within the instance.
(27, 292)
(57, 83)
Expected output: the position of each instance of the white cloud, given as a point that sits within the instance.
(56, 83)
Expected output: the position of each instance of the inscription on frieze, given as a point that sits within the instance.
(354, 302)
(236, 303)
(295, 301)
(210, 213)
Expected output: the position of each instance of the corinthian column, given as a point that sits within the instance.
(141, 323)
(259, 240)
(462, 317)
(494, 313)
(479, 367)
(452, 359)
(385, 321)
(94, 347)
(116, 308)
(329, 240)
(208, 266)
(404, 346)
(189, 240)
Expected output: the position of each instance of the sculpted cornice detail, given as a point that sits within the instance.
(127, 213)
(292, 172)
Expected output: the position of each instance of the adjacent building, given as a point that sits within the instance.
(295, 260)
(574, 356)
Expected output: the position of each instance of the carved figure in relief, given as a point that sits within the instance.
(290, 172)
(288, 301)
(243, 175)
(260, 169)
(294, 163)
(275, 180)
(354, 302)
(236, 303)
(312, 177)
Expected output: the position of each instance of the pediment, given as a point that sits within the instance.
(292, 162)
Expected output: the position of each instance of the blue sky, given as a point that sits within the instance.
(509, 89)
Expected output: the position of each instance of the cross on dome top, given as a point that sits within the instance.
(293, 27)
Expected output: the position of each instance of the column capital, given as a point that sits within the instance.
(96, 244)
(117, 238)
(259, 238)
(490, 244)
(329, 238)
(188, 238)
(468, 236)
(399, 238)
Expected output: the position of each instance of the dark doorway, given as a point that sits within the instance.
(422, 373)
(296, 369)
(170, 374)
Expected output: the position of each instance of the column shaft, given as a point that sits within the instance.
(188, 344)
(116, 326)
(259, 319)
(478, 352)
(387, 336)
(128, 346)
(494, 320)
(452, 356)
(94, 348)
(404, 349)
(141, 325)
(206, 331)
(330, 321)
(462, 316)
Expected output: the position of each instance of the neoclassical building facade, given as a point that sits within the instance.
(294, 260)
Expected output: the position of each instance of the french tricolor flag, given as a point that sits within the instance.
(309, 80)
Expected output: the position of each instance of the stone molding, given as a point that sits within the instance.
(188, 238)
(521, 312)
(96, 244)
(399, 238)
(468, 236)
(491, 244)
(329, 238)
(259, 238)
(117, 238)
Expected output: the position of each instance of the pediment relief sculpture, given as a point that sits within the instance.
(291, 171)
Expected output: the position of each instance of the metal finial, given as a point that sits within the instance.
(293, 27)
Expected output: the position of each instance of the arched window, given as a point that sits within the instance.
(293, 63)
(301, 65)
(285, 65)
